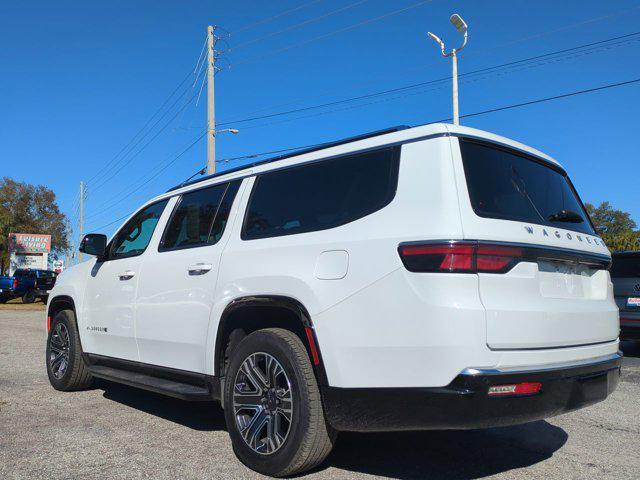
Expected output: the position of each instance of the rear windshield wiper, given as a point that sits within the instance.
(568, 216)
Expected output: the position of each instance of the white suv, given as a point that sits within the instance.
(436, 277)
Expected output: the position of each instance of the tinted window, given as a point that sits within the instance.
(134, 237)
(506, 185)
(321, 195)
(192, 219)
(625, 266)
(222, 216)
(47, 274)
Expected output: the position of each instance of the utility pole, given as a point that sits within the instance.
(461, 26)
(81, 219)
(211, 103)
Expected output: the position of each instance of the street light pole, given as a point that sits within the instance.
(454, 75)
(461, 26)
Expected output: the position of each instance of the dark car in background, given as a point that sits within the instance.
(28, 284)
(625, 274)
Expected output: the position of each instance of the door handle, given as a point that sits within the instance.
(199, 268)
(128, 275)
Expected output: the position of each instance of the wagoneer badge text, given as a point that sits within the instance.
(557, 234)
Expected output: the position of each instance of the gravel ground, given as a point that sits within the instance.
(119, 432)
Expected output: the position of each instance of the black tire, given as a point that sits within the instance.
(4, 299)
(308, 440)
(76, 374)
(29, 297)
(45, 299)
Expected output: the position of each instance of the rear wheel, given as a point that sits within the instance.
(29, 297)
(273, 408)
(66, 369)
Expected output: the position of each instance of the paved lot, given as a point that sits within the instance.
(120, 432)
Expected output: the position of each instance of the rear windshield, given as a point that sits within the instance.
(510, 186)
(625, 266)
(47, 274)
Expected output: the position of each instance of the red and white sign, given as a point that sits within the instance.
(29, 243)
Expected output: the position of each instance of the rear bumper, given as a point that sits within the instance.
(465, 404)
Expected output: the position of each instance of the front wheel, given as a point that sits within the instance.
(66, 369)
(273, 409)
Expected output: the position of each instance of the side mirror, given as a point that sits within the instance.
(94, 244)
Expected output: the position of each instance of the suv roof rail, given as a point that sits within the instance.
(295, 153)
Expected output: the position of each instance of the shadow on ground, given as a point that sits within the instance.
(203, 416)
(407, 455)
(447, 454)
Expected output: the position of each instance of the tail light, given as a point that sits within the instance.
(523, 388)
(460, 257)
(15, 283)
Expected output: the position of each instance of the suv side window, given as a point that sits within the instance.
(199, 217)
(321, 195)
(134, 237)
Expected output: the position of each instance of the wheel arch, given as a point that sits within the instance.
(58, 304)
(255, 312)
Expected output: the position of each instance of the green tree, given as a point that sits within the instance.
(616, 227)
(29, 208)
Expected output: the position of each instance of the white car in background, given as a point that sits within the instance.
(436, 277)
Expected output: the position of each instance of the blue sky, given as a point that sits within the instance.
(79, 79)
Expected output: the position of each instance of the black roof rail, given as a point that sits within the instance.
(295, 153)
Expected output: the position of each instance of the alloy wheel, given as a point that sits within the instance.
(59, 350)
(263, 403)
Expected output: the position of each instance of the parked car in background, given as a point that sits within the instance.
(28, 284)
(8, 285)
(625, 274)
(436, 277)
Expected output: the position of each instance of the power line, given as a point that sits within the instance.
(97, 229)
(387, 99)
(468, 115)
(127, 192)
(483, 112)
(563, 28)
(548, 99)
(298, 25)
(329, 34)
(117, 170)
(164, 103)
(466, 54)
(275, 17)
(200, 59)
(431, 82)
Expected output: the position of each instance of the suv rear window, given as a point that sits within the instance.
(321, 195)
(509, 185)
(625, 266)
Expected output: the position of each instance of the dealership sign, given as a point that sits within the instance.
(29, 243)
